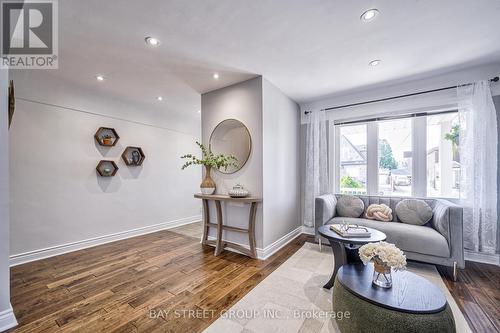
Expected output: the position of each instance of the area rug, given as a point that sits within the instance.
(291, 299)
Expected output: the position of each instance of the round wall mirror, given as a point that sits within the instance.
(231, 136)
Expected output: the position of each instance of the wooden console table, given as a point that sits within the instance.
(218, 242)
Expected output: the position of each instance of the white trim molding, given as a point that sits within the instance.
(22, 258)
(7, 319)
(485, 258)
(264, 253)
(274, 247)
(308, 230)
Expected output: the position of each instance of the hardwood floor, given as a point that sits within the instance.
(477, 293)
(113, 287)
(192, 230)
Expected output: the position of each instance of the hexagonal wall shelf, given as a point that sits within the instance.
(133, 156)
(106, 136)
(106, 168)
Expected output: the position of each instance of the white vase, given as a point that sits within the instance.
(207, 190)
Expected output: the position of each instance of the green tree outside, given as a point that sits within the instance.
(349, 182)
(387, 160)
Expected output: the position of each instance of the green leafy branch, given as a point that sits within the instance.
(210, 159)
(453, 135)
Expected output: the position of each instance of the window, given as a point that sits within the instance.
(414, 155)
(443, 159)
(353, 159)
(395, 157)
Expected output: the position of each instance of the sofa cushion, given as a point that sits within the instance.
(407, 237)
(414, 211)
(350, 206)
(379, 212)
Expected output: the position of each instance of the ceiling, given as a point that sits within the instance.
(307, 48)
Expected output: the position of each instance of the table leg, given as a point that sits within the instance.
(339, 259)
(218, 246)
(206, 221)
(251, 229)
(352, 254)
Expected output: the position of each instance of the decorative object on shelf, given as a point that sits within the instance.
(231, 137)
(210, 160)
(12, 101)
(379, 212)
(133, 156)
(106, 136)
(107, 140)
(384, 256)
(207, 186)
(238, 191)
(347, 230)
(107, 168)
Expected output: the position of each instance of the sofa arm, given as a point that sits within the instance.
(448, 221)
(324, 210)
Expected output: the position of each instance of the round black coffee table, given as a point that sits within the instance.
(345, 250)
(413, 304)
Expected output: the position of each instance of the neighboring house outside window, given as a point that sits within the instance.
(393, 166)
(353, 159)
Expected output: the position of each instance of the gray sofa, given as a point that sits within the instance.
(440, 241)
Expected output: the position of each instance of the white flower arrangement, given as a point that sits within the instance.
(386, 253)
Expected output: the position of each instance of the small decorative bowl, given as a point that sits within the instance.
(238, 191)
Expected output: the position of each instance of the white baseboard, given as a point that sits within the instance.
(485, 258)
(274, 247)
(308, 230)
(7, 319)
(264, 253)
(21, 258)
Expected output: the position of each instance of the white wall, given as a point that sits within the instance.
(56, 196)
(272, 171)
(281, 174)
(7, 318)
(242, 101)
(404, 87)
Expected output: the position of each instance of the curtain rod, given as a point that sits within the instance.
(392, 117)
(495, 79)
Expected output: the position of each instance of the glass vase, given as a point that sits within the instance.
(382, 274)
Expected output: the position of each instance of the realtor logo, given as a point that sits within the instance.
(29, 34)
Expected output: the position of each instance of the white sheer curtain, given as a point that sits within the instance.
(316, 178)
(478, 158)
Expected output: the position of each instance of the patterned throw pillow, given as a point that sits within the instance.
(379, 212)
(350, 206)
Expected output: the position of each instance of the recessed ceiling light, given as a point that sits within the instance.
(152, 41)
(199, 111)
(99, 77)
(159, 98)
(369, 14)
(374, 63)
(216, 76)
